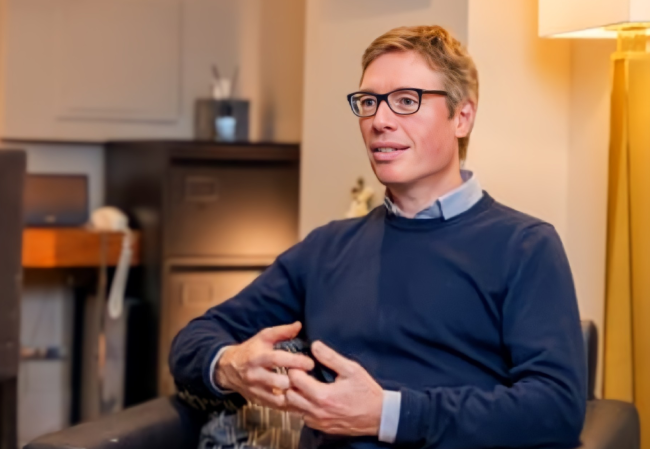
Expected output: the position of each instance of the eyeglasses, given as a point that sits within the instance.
(400, 101)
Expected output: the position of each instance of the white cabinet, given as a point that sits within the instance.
(84, 69)
(117, 60)
(97, 70)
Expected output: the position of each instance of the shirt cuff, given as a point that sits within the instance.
(213, 367)
(390, 410)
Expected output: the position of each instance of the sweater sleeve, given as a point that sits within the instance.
(276, 297)
(545, 404)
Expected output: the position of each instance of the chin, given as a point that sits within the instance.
(388, 176)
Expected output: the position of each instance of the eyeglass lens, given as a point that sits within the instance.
(401, 102)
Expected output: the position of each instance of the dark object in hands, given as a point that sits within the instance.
(299, 346)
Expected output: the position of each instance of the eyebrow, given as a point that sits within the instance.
(373, 91)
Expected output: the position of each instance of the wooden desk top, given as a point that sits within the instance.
(72, 248)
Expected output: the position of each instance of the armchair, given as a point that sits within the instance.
(169, 423)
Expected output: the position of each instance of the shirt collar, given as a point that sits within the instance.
(451, 203)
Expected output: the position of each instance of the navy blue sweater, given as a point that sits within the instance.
(474, 319)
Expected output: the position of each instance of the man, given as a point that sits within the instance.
(450, 320)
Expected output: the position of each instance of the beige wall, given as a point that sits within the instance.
(3, 15)
(271, 51)
(587, 180)
(282, 68)
(520, 142)
(337, 32)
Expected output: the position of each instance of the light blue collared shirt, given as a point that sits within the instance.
(447, 206)
(451, 204)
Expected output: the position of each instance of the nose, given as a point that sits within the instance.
(384, 119)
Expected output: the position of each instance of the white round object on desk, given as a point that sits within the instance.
(109, 219)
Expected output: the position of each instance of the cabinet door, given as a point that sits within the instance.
(232, 210)
(80, 69)
(191, 294)
(120, 59)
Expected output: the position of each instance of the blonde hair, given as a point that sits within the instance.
(443, 53)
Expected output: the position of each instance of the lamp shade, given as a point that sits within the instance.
(590, 18)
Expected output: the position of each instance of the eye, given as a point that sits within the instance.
(405, 100)
(367, 102)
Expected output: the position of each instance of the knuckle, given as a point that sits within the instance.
(321, 397)
(255, 357)
(320, 415)
(290, 397)
(275, 358)
(280, 383)
(278, 400)
(249, 376)
(259, 359)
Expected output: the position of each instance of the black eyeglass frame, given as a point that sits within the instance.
(384, 97)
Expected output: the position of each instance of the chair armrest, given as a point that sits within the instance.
(610, 424)
(164, 423)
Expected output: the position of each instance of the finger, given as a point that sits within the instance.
(314, 423)
(332, 359)
(307, 386)
(279, 333)
(262, 376)
(278, 358)
(298, 402)
(267, 398)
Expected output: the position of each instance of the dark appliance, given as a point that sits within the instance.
(56, 200)
(12, 173)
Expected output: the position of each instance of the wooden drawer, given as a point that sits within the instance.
(191, 294)
(232, 209)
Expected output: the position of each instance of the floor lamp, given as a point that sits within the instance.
(627, 303)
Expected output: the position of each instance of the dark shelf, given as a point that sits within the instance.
(212, 216)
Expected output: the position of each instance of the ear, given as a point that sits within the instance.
(465, 115)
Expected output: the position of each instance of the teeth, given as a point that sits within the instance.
(386, 150)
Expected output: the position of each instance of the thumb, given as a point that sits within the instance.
(332, 359)
(279, 333)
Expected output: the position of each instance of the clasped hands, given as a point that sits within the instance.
(349, 406)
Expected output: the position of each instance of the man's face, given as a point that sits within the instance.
(426, 141)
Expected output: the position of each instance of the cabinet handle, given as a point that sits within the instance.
(200, 189)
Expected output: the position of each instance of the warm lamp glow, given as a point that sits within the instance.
(596, 19)
(605, 32)
(626, 373)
